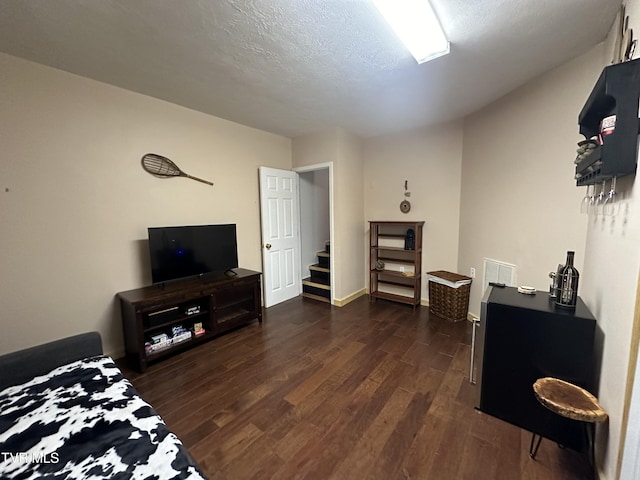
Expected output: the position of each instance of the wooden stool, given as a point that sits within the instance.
(570, 401)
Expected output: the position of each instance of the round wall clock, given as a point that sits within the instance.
(405, 206)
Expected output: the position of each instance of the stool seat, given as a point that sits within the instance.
(568, 400)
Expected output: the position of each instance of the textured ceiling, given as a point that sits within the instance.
(296, 66)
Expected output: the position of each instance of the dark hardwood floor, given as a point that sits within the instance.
(366, 391)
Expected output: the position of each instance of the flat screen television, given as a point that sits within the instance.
(187, 251)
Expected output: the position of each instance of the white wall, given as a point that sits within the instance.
(76, 203)
(431, 161)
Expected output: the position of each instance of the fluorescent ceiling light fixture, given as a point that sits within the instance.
(417, 26)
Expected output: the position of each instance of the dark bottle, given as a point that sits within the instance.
(410, 240)
(568, 283)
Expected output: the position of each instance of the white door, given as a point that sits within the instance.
(279, 213)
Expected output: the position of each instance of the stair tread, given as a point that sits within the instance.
(316, 282)
(319, 268)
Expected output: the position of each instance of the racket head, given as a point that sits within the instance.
(161, 166)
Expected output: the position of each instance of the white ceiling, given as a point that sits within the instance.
(296, 66)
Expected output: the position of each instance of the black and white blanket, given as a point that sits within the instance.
(85, 420)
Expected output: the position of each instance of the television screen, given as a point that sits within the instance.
(178, 252)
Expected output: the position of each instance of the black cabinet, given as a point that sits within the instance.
(616, 92)
(525, 337)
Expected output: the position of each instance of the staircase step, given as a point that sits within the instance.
(319, 268)
(316, 297)
(320, 276)
(315, 289)
(316, 283)
(324, 259)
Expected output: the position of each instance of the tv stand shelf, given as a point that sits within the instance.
(220, 303)
(181, 319)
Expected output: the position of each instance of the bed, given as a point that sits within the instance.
(67, 412)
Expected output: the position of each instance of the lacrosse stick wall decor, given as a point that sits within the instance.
(163, 167)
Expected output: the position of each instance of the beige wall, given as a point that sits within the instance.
(431, 160)
(519, 203)
(76, 203)
(609, 283)
(348, 214)
(344, 151)
(315, 148)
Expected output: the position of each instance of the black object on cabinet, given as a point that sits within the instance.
(525, 337)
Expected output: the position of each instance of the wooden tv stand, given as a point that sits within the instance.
(218, 302)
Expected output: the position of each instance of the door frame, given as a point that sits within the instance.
(312, 168)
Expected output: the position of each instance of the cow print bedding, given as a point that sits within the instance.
(85, 420)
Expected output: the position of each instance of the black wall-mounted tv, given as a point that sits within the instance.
(186, 251)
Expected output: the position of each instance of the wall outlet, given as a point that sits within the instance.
(401, 269)
(472, 272)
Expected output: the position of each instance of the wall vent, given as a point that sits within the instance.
(499, 272)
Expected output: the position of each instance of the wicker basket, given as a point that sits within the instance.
(449, 295)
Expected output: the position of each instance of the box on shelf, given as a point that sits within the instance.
(181, 337)
(162, 341)
(197, 329)
(177, 330)
(157, 346)
(449, 295)
(192, 310)
(159, 338)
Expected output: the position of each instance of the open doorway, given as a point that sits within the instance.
(316, 232)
